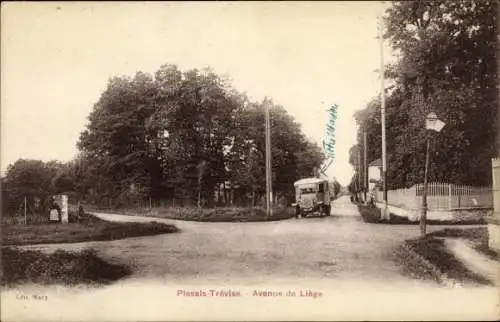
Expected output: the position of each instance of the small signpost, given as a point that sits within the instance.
(431, 123)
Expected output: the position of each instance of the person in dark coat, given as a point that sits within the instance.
(81, 213)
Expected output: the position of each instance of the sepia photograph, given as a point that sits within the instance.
(250, 161)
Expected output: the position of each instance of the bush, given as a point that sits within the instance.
(218, 214)
(225, 214)
(478, 234)
(61, 267)
(37, 218)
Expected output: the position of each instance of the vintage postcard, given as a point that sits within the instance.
(267, 161)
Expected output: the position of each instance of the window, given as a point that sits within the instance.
(304, 191)
(321, 188)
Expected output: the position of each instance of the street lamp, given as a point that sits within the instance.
(434, 124)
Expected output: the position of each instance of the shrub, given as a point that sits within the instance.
(61, 267)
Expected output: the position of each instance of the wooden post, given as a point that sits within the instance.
(460, 197)
(423, 216)
(450, 196)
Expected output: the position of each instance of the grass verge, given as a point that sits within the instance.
(61, 267)
(223, 214)
(478, 236)
(438, 263)
(89, 228)
(372, 214)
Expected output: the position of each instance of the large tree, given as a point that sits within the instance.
(446, 64)
(183, 134)
(293, 156)
(33, 180)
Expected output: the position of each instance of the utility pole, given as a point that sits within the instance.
(359, 170)
(365, 168)
(269, 192)
(385, 214)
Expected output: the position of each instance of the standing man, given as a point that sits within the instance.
(81, 212)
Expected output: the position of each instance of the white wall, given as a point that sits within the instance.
(374, 173)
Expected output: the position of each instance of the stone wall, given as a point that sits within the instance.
(494, 220)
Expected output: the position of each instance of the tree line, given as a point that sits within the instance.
(187, 136)
(447, 64)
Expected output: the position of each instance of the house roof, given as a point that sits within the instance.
(376, 163)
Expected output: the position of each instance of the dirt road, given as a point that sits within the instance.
(346, 260)
(340, 246)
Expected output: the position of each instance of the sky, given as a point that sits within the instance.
(56, 59)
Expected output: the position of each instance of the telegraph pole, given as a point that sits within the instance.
(269, 192)
(385, 214)
(365, 168)
(359, 172)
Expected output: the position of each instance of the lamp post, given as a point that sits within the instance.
(431, 123)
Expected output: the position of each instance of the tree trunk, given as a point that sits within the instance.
(201, 170)
(253, 195)
(226, 195)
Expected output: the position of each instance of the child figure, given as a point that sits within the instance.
(55, 213)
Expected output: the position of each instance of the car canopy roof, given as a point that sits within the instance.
(308, 181)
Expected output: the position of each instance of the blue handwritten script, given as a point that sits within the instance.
(329, 140)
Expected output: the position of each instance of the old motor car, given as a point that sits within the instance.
(312, 195)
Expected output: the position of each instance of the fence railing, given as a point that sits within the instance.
(440, 196)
